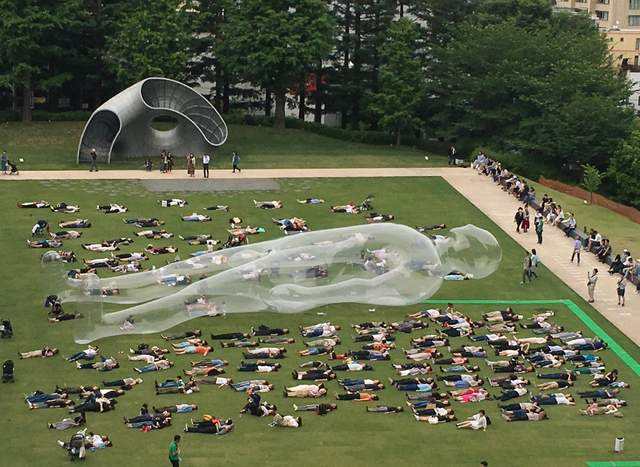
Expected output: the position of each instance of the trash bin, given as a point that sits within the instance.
(618, 445)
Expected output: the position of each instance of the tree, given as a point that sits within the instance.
(549, 91)
(624, 170)
(591, 179)
(401, 80)
(272, 43)
(152, 40)
(33, 37)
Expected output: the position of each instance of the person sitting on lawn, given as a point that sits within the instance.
(166, 203)
(477, 421)
(276, 204)
(160, 250)
(195, 217)
(64, 207)
(44, 352)
(33, 205)
(112, 208)
(75, 224)
(155, 234)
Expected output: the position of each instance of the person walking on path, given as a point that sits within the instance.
(94, 157)
(535, 260)
(539, 225)
(235, 162)
(191, 165)
(519, 217)
(174, 451)
(205, 165)
(592, 280)
(525, 219)
(526, 268)
(622, 285)
(452, 155)
(577, 247)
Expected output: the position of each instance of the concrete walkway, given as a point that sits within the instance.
(479, 190)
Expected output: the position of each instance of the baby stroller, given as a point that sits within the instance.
(6, 330)
(13, 167)
(7, 372)
(76, 446)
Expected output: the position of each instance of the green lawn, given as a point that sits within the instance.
(622, 231)
(349, 436)
(49, 146)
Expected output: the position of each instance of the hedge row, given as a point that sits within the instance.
(44, 116)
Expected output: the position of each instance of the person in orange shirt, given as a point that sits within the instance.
(357, 396)
(202, 349)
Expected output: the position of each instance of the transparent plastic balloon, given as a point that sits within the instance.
(378, 264)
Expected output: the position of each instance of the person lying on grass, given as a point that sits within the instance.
(182, 335)
(554, 399)
(176, 386)
(276, 204)
(357, 385)
(319, 409)
(218, 207)
(471, 395)
(231, 336)
(210, 426)
(44, 352)
(596, 408)
(349, 208)
(253, 386)
(44, 243)
(375, 218)
(100, 247)
(146, 349)
(436, 419)
(310, 201)
(158, 365)
(178, 408)
(200, 239)
(149, 422)
(105, 364)
(241, 344)
(101, 262)
(244, 231)
(261, 366)
(313, 375)
(263, 330)
(202, 349)
(124, 383)
(305, 390)
(293, 224)
(384, 409)
(160, 250)
(155, 234)
(41, 400)
(195, 217)
(265, 352)
(33, 204)
(112, 208)
(173, 202)
(75, 224)
(525, 415)
(67, 423)
(144, 222)
(64, 207)
(87, 354)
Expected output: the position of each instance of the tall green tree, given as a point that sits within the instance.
(151, 40)
(401, 80)
(549, 91)
(272, 43)
(33, 37)
(591, 179)
(624, 170)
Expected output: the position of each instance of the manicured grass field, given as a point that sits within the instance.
(347, 437)
(52, 146)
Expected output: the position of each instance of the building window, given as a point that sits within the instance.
(634, 20)
(603, 2)
(634, 4)
(602, 15)
(637, 43)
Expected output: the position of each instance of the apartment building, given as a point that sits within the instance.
(619, 20)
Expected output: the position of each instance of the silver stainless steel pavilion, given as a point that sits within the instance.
(121, 127)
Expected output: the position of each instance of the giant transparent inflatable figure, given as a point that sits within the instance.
(381, 264)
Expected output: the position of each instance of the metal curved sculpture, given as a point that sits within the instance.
(121, 127)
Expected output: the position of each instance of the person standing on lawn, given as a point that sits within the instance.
(174, 451)
(94, 157)
(592, 280)
(526, 268)
(535, 260)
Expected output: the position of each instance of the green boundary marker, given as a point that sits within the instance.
(576, 310)
(614, 464)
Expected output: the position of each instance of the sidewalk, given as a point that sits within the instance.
(479, 190)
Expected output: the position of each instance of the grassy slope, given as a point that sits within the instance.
(349, 437)
(54, 146)
(622, 232)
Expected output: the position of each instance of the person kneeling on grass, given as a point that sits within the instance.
(477, 421)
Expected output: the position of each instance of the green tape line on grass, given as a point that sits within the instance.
(575, 309)
(614, 464)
